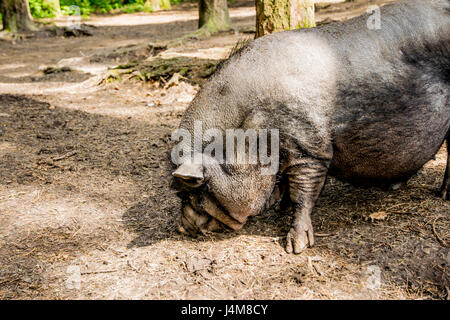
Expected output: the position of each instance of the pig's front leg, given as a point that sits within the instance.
(306, 180)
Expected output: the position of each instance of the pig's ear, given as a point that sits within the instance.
(190, 173)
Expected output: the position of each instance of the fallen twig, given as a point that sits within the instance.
(9, 280)
(64, 156)
(441, 241)
(399, 212)
(100, 271)
(324, 234)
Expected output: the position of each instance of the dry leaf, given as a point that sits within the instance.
(380, 215)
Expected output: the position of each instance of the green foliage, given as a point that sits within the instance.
(138, 6)
(41, 10)
(104, 6)
(89, 6)
(86, 7)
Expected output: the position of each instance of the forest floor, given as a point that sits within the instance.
(86, 211)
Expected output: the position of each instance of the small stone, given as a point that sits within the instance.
(26, 279)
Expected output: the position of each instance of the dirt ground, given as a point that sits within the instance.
(86, 211)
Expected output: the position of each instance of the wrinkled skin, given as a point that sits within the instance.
(367, 106)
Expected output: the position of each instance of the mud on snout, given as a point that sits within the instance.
(195, 222)
(200, 211)
(201, 214)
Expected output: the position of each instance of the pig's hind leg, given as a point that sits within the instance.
(306, 180)
(445, 189)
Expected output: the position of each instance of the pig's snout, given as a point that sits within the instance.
(194, 223)
(191, 221)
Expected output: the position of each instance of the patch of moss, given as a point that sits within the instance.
(194, 70)
(50, 70)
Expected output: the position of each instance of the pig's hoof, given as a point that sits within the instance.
(445, 194)
(396, 186)
(298, 239)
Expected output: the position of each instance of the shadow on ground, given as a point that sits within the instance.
(68, 76)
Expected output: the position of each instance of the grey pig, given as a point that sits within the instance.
(370, 106)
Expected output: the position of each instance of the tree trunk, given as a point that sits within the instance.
(16, 16)
(213, 15)
(54, 5)
(278, 15)
(159, 4)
